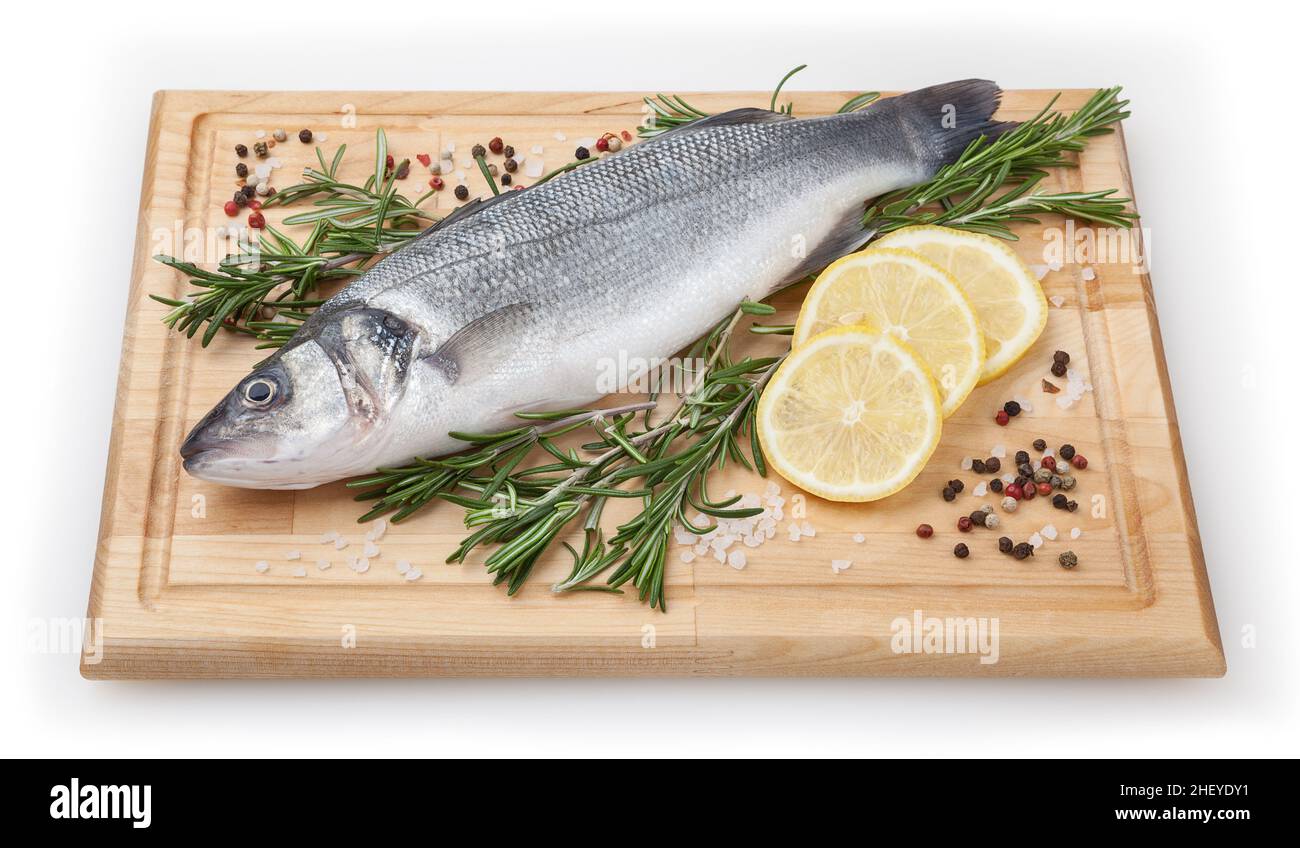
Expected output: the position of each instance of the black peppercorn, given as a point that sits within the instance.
(1040, 445)
(979, 517)
(1021, 481)
(248, 190)
(508, 152)
(1058, 369)
(1005, 544)
(1068, 560)
(995, 485)
(461, 192)
(260, 149)
(506, 179)
(581, 153)
(478, 151)
(241, 170)
(241, 151)
(1072, 506)
(511, 166)
(304, 136)
(961, 551)
(956, 485)
(1011, 408)
(1061, 357)
(241, 199)
(1025, 469)
(977, 466)
(949, 494)
(1022, 550)
(1059, 501)
(992, 465)
(1066, 452)
(1023, 456)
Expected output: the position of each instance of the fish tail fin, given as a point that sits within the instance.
(943, 120)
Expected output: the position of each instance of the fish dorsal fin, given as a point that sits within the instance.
(469, 210)
(475, 349)
(747, 115)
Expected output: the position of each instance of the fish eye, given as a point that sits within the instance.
(260, 391)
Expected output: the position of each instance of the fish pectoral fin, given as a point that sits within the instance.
(475, 349)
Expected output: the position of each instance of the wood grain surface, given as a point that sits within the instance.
(175, 592)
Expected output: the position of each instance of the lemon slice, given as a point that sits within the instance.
(851, 415)
(909, 297)
(1006, 296)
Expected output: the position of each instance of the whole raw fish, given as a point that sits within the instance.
(521, 302)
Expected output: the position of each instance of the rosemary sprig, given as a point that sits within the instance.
(350, 226)
(965, 195)
(668, 111)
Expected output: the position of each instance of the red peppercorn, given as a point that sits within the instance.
(1049, 462)
(423, 159)
(1080, 461)
(1044, 489)
(256, 220)
(496, 145)
(602, 143)
(964, 524)
(436, 183)
(519, 188)
(254, 205)
(925, 531)
(627, 136)
(1014, 491)
(1028, 492)
(1002, 418)
(232, 208)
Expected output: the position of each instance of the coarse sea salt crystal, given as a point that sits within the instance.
(260, 134)
(1008, 478)
(559, 136)
(1088, 273)
(771, 489)
(1035, 540)
(262, 171)
(1049, 532)
(262, 566)
(322, 136)
(294, 554)
(1056, 300)
(371, 549)
(998, 451)
(967, 463)
(1055, 266)
(807, 529)
(720, 555)
(1025, 404)
(340, 543)
(1040, 271)
(794, 532)
(1075, 532)
(300, 571)
(413, 575)
(859, 538)
(378, 530)
(403, 566)
(687, 556)
(322, 565)
(537, 148)
(980, 490)
(361, 565)
(838, 565)
(274, 162)
(736, 559)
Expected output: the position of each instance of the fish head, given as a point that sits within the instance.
(317, 411)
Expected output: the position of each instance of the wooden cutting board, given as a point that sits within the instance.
(175, 592)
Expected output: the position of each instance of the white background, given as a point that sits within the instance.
(1211, 143)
